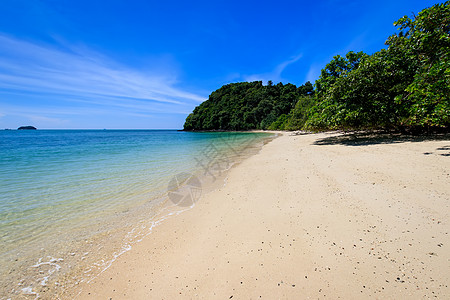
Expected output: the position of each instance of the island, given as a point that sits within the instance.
(404, 87)
(27, 128)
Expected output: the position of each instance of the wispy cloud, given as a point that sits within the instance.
(354, 45)
(35, 68)
(275, 74)
(313, 73)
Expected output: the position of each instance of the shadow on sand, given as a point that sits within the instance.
(366, 139)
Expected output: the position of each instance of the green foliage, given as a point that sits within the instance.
(426, 39)
(299, 115)
(363, 98)
(405, 85)
(338, 67)
(280, 123)
(245, 105)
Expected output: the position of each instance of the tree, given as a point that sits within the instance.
(336, 68)
(243, 106)
(404, 86)
(280, 123)
(298, 116)
(426, 39)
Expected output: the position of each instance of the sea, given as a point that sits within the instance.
(73, 201)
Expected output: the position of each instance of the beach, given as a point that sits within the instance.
(326, 215)
(72, 201)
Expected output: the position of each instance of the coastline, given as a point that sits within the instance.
(139, 181)
(308, 216)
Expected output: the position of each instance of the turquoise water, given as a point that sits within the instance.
(66, 194)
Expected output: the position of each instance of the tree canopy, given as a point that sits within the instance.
(406, 85)
(245, 105)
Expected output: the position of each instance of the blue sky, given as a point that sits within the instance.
(147, 64)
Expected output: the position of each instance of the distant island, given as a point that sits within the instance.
(26, 128)
(404, 87)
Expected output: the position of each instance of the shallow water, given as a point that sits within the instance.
(71, 201)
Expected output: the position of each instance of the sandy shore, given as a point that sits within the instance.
(310, 216)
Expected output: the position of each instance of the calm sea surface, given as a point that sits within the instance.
(71, 201)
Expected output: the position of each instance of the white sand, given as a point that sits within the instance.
(300, 220)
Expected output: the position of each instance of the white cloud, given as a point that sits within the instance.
(275, 75)
(33, 68)
(315, 69)
(313, 73)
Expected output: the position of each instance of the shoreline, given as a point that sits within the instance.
(81, 254)
(308, 216)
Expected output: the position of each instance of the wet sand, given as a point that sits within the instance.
(311, 216)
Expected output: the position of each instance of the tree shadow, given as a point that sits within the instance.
(374, 138)
(443, 151)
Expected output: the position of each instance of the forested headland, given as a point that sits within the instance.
(405, 86)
